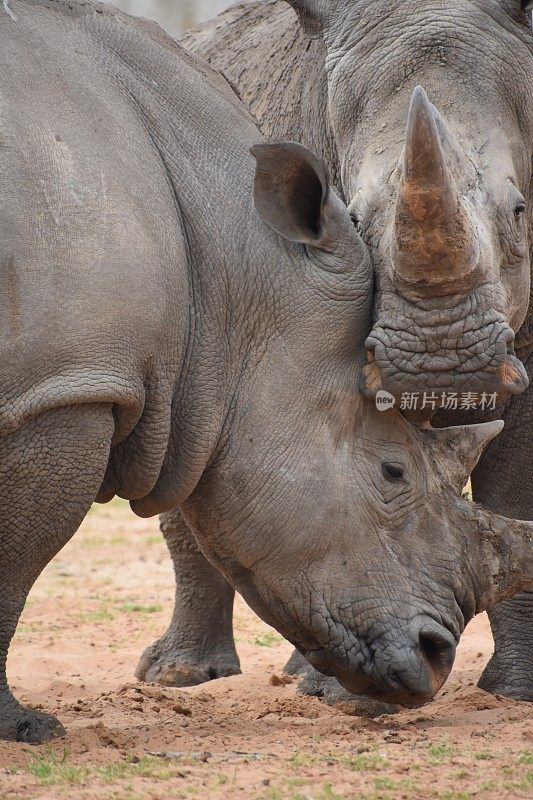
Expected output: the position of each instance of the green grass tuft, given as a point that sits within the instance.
(267, 639)
(441, 751)
(137, 608)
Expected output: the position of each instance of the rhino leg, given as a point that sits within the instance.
(50, 472)
(198, 645)
(510, 670)
(296, 665)
(502, 483)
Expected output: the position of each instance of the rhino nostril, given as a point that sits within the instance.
(438, 650)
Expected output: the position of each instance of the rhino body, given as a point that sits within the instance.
(349, 93)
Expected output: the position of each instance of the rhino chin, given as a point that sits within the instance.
(390, 697)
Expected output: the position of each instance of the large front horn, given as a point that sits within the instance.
(434, 248)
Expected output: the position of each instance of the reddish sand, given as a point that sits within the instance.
(109, 594)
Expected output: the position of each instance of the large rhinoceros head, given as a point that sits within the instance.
(440, 189)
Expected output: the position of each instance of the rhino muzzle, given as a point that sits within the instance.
(407, 665)
(465, 347)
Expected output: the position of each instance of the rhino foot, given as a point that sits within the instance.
(163, 664)
(296, 665)
(515, 681)
(21, 724)
(314, 684)
(198, 645)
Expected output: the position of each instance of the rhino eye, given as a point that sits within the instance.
(520, 209)
(392, 472)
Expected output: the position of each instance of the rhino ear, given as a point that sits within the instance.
(461, 447)
(311, 15)
(291, 191)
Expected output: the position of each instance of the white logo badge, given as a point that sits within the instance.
(384, 400)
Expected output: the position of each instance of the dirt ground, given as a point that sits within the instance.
(108, 594)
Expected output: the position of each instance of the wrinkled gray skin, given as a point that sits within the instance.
(476, 62)
(163, 341)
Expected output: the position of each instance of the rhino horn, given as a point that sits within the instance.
(435, 250)
(505, 554)
(499, 557)
(460, 447)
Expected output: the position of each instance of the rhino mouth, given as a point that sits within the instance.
(360, 684)
(455, 358)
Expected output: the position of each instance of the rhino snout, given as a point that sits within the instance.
(416, 665)
(407, 666)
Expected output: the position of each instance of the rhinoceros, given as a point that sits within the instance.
(164, 340)
(424, 115)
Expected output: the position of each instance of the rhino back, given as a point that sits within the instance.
(105, 113)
